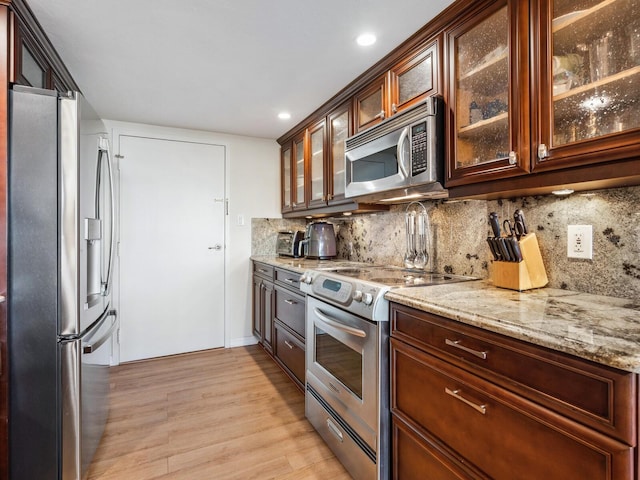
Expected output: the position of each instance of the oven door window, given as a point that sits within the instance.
(340, 360)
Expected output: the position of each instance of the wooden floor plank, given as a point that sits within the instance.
(217, 414)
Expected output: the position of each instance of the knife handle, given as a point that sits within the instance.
(495, 224)
(494, 251)
(506, 250)
(515, 247)
(518, 216)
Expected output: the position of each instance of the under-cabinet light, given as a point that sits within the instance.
(562, 192)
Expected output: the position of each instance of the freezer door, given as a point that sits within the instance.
(85, 404)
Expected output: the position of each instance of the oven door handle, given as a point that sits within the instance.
(338, 324)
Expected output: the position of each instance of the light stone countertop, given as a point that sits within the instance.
(603, 329)
(301, 264)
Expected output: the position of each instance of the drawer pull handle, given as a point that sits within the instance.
(262, 270)
(288, 344)
(289, 280)
(332, 427)
(456, 344)
(456, 394)
(290, 302)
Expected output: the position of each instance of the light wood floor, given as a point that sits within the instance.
(219, 414)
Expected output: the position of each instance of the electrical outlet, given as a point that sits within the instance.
(240, 220)
(580, 241)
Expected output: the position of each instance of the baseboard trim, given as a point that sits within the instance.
(242, 341)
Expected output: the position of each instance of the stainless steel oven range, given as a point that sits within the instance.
(347, 378)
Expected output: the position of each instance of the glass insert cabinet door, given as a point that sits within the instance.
(338, 133)
(286, 178)
(594, 69)
(316, 159)
(299, 185)
(481, 83)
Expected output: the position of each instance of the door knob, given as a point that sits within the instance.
(217, 246)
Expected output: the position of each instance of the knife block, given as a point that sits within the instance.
(525, 275)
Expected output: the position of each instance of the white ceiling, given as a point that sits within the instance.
(222, 65)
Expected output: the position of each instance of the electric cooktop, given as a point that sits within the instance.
(396, 276)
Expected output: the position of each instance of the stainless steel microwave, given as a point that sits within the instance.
(400, 159)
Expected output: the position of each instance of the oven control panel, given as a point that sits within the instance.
(355, 296)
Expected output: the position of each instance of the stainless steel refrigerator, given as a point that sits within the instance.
(61, 320)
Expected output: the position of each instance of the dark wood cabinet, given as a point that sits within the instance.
(410, 80)
(286, 178)
(501, 408)
(339, 128)
(279, 318)
(317, 164)
(540, 95)
(34, 61)
(488, 93)
(529, 94)
(370, 104)
(263, 304)
(586, 62)
(290, 325)
(299, 172)
(415, 77)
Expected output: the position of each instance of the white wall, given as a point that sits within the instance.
(253, 190)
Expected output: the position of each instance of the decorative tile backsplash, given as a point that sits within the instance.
(459, 230)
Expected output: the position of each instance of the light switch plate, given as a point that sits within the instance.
(580, 241)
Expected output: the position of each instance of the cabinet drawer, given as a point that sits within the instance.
(595, 395)
(290, 310)
(497, 430)
(263, 270)
(290, 352)
(287, 278)
(413, 457)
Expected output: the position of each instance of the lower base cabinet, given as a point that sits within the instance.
(289, 352)
(450, 421)
(279, 318)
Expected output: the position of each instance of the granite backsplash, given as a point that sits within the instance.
(459, 229)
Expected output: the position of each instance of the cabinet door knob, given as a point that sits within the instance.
(513, 157)
(394, 108)
(381, 114)
(543, 151)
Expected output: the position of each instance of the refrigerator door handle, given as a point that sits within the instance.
(93, 346)
(103, 150)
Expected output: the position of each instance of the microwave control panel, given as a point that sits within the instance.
(419, 148)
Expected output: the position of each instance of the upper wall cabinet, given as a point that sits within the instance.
(488, 94)
(571, 101)
(339, 127)
(589, 81)
(33, 66)
(317, 164)
(299, 172)
(405, 84)
(286, 156)
(313, 164)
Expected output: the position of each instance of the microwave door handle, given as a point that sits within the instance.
(339, 325)
(400, 152)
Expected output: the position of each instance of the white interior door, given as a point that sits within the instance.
(171, 247)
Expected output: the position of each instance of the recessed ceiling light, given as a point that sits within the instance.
(366, 39)
(284, 115)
